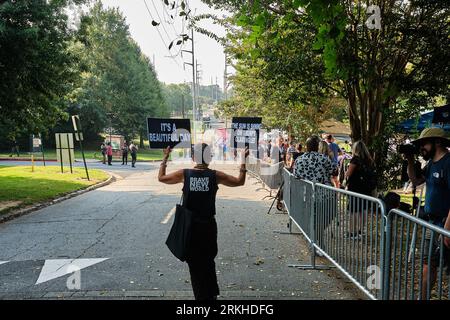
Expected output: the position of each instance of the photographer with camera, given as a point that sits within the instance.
(432, 146)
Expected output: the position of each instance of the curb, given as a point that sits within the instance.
(27, 159)
(76, 160)
(21, 212)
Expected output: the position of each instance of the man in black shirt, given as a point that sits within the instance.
(199, 193)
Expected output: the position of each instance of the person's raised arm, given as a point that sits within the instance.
(230, 181)
(172, 178)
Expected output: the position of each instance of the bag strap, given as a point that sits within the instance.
(184, 199)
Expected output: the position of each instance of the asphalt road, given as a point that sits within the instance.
(109, 244)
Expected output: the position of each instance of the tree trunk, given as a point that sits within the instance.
(355, 122)
(141, 141)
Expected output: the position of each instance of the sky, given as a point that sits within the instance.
(208, 52)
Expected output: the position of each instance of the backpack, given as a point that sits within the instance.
(364, 180)
(369, 178)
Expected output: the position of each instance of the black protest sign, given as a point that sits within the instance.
(245, 132)
(174, 133)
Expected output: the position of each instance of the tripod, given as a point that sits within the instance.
(277, 197)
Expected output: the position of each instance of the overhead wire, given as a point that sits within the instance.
(162, 38)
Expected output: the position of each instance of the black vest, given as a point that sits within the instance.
(199, 193)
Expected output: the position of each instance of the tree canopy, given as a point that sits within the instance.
(372, 69)
(119, 86)
(51, 70)
(36, 65)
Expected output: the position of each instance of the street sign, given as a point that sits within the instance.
(79, 137)
(65, 149)
(77, 128)
(75, 120)
(36, 144)
(245, 132)
(174, 133)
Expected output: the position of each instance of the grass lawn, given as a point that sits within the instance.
(408, 198)
(20, 187)
(143, 155)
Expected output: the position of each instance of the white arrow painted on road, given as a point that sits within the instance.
(3, 262)
(56, 268)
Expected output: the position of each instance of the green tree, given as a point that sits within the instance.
(283, 81)
(383, 74)
(120, 88)
(36, 65)
(177, 97)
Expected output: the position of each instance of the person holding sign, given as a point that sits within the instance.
(199, 191)
(133, 151)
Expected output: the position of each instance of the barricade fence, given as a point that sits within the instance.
(383, 254)
(270, 175)
(349, 231)
(417, 261)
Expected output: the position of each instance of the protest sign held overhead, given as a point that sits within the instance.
(174, 133)
(245, 132)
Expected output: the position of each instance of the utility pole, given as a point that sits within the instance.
(217, 91)
(198, 78)
(182, 105)
(192, 64)
(225, 79)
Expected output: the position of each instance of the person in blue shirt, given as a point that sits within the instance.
(433, 145)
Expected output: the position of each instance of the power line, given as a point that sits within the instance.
(160, 35)
(161, 20)
(170, 38)
(170, 16)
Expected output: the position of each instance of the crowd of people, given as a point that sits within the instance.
(352, 167)
(324, 161)
(107, 153)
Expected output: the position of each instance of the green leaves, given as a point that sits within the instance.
(120, 87)
(37, 68)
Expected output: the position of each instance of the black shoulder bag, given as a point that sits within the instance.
(180, 233)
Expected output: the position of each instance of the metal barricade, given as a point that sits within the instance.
(271, 174)
(412, 245)
(349, 230)
(251, 165)
(302, 205)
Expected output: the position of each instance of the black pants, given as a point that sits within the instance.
(203, 250)
(124, 158)
(133, 159)
(109, 160)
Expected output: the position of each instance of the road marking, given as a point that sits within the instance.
(3, 262)
(56, 268)
(169, 215)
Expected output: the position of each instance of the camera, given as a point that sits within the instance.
(408, 149)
